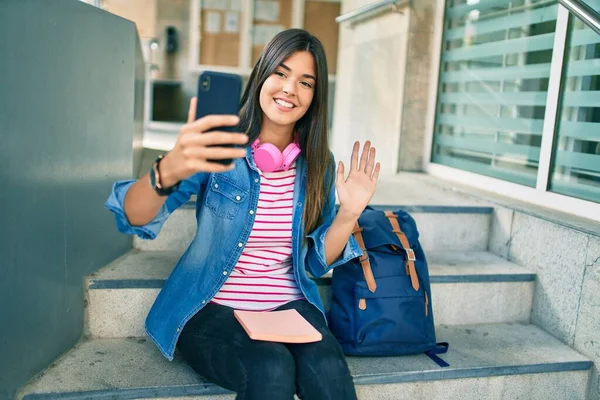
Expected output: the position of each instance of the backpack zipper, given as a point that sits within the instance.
(426, 304)
(362, 304)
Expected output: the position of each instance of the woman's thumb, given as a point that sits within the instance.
(192, 110)
(340, 172)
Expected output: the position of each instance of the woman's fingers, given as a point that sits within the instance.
(354, 157)
(366, 163)
(375, 176)
(192, 110)
(213, 153)
(340, 172)
(370, 163)
(364, 156)
(213, 139)
(207, 166)
(195, 145)
(211, 122)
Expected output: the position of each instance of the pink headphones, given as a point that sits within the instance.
(269, 159)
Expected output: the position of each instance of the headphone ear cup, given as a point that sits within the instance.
(290, 153)
(268, 157)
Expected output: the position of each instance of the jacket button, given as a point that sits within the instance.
(216, 185)
(238, 198)
(178, 329)
(256, 180)
(240, 244)
(203, 301)
(251, 212)
(224, 272)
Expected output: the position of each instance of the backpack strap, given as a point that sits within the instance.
(440, 348)
(364, 259)
(410, 254)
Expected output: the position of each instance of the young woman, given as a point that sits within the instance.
(263, 222)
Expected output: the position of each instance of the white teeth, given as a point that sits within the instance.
(284, 103)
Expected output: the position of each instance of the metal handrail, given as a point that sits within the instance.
(584, 12)
(370, 9)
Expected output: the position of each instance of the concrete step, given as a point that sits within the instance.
(467, 288)
(457, 228)
(499, 361)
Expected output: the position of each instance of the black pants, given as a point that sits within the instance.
(216, 346)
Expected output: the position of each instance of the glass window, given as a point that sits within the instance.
(594, 4)
(493, 86)
(576, 156)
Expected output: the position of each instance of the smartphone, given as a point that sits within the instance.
(219, 93)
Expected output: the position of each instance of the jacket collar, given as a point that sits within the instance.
(250, 158)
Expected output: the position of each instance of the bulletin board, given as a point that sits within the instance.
(319, 19)
(270, 17)
(220, 34)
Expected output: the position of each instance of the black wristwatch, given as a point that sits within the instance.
(155, 180)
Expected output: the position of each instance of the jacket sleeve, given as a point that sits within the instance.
(315, 259)
(116, 201)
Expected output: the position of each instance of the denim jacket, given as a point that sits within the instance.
(225, 211)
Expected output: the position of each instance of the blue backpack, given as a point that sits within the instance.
(381, 303)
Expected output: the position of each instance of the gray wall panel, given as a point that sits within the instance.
(140, 87)
(67, 123)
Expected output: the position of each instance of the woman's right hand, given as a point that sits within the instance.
(191, 150)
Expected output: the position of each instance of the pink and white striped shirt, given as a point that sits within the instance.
(263, 278)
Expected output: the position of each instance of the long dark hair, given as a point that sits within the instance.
(311, 129)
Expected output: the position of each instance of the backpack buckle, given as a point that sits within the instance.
(410, 254)
(365, 256)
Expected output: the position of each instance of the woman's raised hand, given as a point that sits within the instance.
(355, 192)
(191, 150)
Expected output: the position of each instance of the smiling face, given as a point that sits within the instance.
(287, 93)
